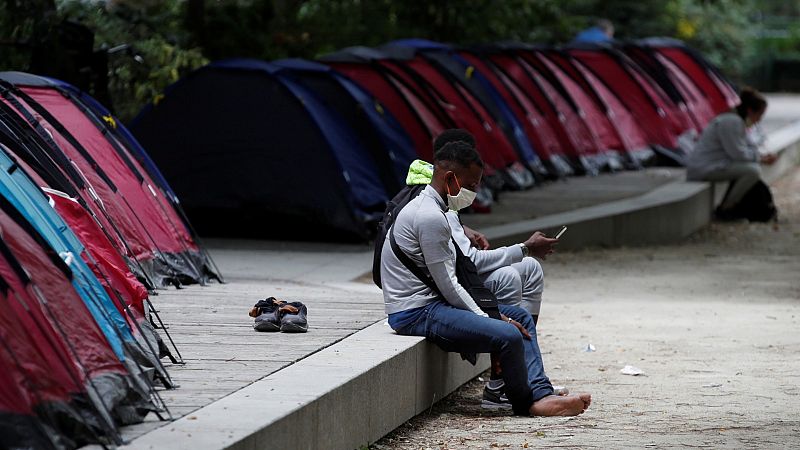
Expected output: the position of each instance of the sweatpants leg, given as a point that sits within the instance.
(532, 280)
(506, 284)
(742, 175)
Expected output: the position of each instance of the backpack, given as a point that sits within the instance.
(756, 205)
(393, 207)
(466, 272)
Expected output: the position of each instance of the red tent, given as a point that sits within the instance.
(19, 425)
(461, 106)
(683, 91)
(123, 187)
(570, 128)
(603, 134)
(99, 191)
(535, 125)
(628, 131)
(420, 121)
(71, 377)
(103, 258)
(100, 233)
(720, 92)
(700, 108)
(419, 111)
(158, 240)
(662, 120)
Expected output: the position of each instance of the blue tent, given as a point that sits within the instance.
(388, 143)
(30, 201)
(253, 152)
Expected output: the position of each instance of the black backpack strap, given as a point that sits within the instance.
(415, 269)
(466, 273)
(468, 277)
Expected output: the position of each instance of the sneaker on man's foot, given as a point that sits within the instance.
(293, 318)
(495, 399)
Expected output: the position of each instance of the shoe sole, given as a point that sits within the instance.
(293, 328)
(267, 327)
(488, 404)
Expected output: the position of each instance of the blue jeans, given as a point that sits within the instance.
(460, 331)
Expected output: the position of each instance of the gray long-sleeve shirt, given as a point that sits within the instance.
(722, 142)
(486, 261)
(422, 232)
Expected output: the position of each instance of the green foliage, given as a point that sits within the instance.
(720, 29)
(159, 54)
(173, 37)
(332, 24)
(18, 18)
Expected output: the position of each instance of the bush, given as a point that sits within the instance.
(168, 38)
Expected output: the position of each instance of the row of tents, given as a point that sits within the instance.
(89, 230)
(314, 149)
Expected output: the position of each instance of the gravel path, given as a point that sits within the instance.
(714, 323)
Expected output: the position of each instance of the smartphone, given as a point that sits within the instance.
(560, 232)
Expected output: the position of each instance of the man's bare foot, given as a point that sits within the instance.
(561, 405)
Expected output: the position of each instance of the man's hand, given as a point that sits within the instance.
(477, 239)
(769, 158)
(540, 245)
(519, 326)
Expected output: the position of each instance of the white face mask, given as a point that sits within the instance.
(464, 198)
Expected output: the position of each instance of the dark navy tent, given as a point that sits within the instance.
(387, 142)
(253, 153)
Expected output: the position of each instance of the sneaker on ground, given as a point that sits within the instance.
(267, 314)
(293, 318)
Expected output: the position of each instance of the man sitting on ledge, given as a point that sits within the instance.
(449, 316)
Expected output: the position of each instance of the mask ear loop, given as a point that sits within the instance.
(457, 182)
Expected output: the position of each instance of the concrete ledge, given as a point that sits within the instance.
(666, 214)
(343, 397)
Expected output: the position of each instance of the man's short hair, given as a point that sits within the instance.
(453, 135)
(458, 152)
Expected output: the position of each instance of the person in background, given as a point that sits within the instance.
(724, 153)
(602, 31)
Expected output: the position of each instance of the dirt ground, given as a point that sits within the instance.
(714, 323)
